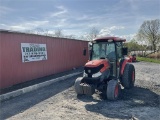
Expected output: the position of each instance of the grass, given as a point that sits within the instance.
(148, 59)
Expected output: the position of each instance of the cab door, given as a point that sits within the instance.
(119, 56)
(111, 56)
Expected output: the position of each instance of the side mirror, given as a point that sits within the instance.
(84, 52)
(125, 51)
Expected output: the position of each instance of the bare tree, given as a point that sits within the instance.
(30, 32)
(150, 32)
(58, 33)
(39, 31)
(70, 36)
(46, 32)
(92, 34)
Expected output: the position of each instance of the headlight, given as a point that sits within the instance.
(84, 74)
(97, 74)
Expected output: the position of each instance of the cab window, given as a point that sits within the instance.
(119, 49)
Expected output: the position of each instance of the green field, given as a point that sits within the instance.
(148, 59)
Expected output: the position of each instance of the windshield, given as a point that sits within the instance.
(103, 50)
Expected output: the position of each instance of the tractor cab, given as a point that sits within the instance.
(106, 68)
(111, 50)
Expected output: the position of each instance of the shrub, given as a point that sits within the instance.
(154, 55)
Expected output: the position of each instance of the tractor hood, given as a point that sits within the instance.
(96, 63)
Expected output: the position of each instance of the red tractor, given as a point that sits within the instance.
(107, 69)
(131, 58)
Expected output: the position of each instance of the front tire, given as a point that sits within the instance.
(113, 90)
(78, 87)
(128, 77)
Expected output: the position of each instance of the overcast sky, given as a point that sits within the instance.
(112, 17)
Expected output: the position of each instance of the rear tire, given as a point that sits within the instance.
(128, 77)
(113, 90)
(78, 87)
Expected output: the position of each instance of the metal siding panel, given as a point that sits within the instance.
(63, 54)
(0, 59)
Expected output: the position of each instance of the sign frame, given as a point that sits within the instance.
(33, 52)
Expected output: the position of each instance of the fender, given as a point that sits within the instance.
(123, 63)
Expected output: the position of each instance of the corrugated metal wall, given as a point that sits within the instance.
(63, 55)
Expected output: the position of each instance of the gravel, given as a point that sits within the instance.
(60, 102)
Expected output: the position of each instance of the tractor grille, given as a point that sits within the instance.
(92, 70)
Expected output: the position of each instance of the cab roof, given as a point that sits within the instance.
(104, 39)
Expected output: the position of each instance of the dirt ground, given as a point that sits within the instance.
(59, 101)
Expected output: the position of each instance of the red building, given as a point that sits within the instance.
(60, 54)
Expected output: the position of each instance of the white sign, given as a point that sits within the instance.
(33, 52)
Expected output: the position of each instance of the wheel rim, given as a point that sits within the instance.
(116, 91)
(133, 76)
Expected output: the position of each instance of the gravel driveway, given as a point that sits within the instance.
(59, 101)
